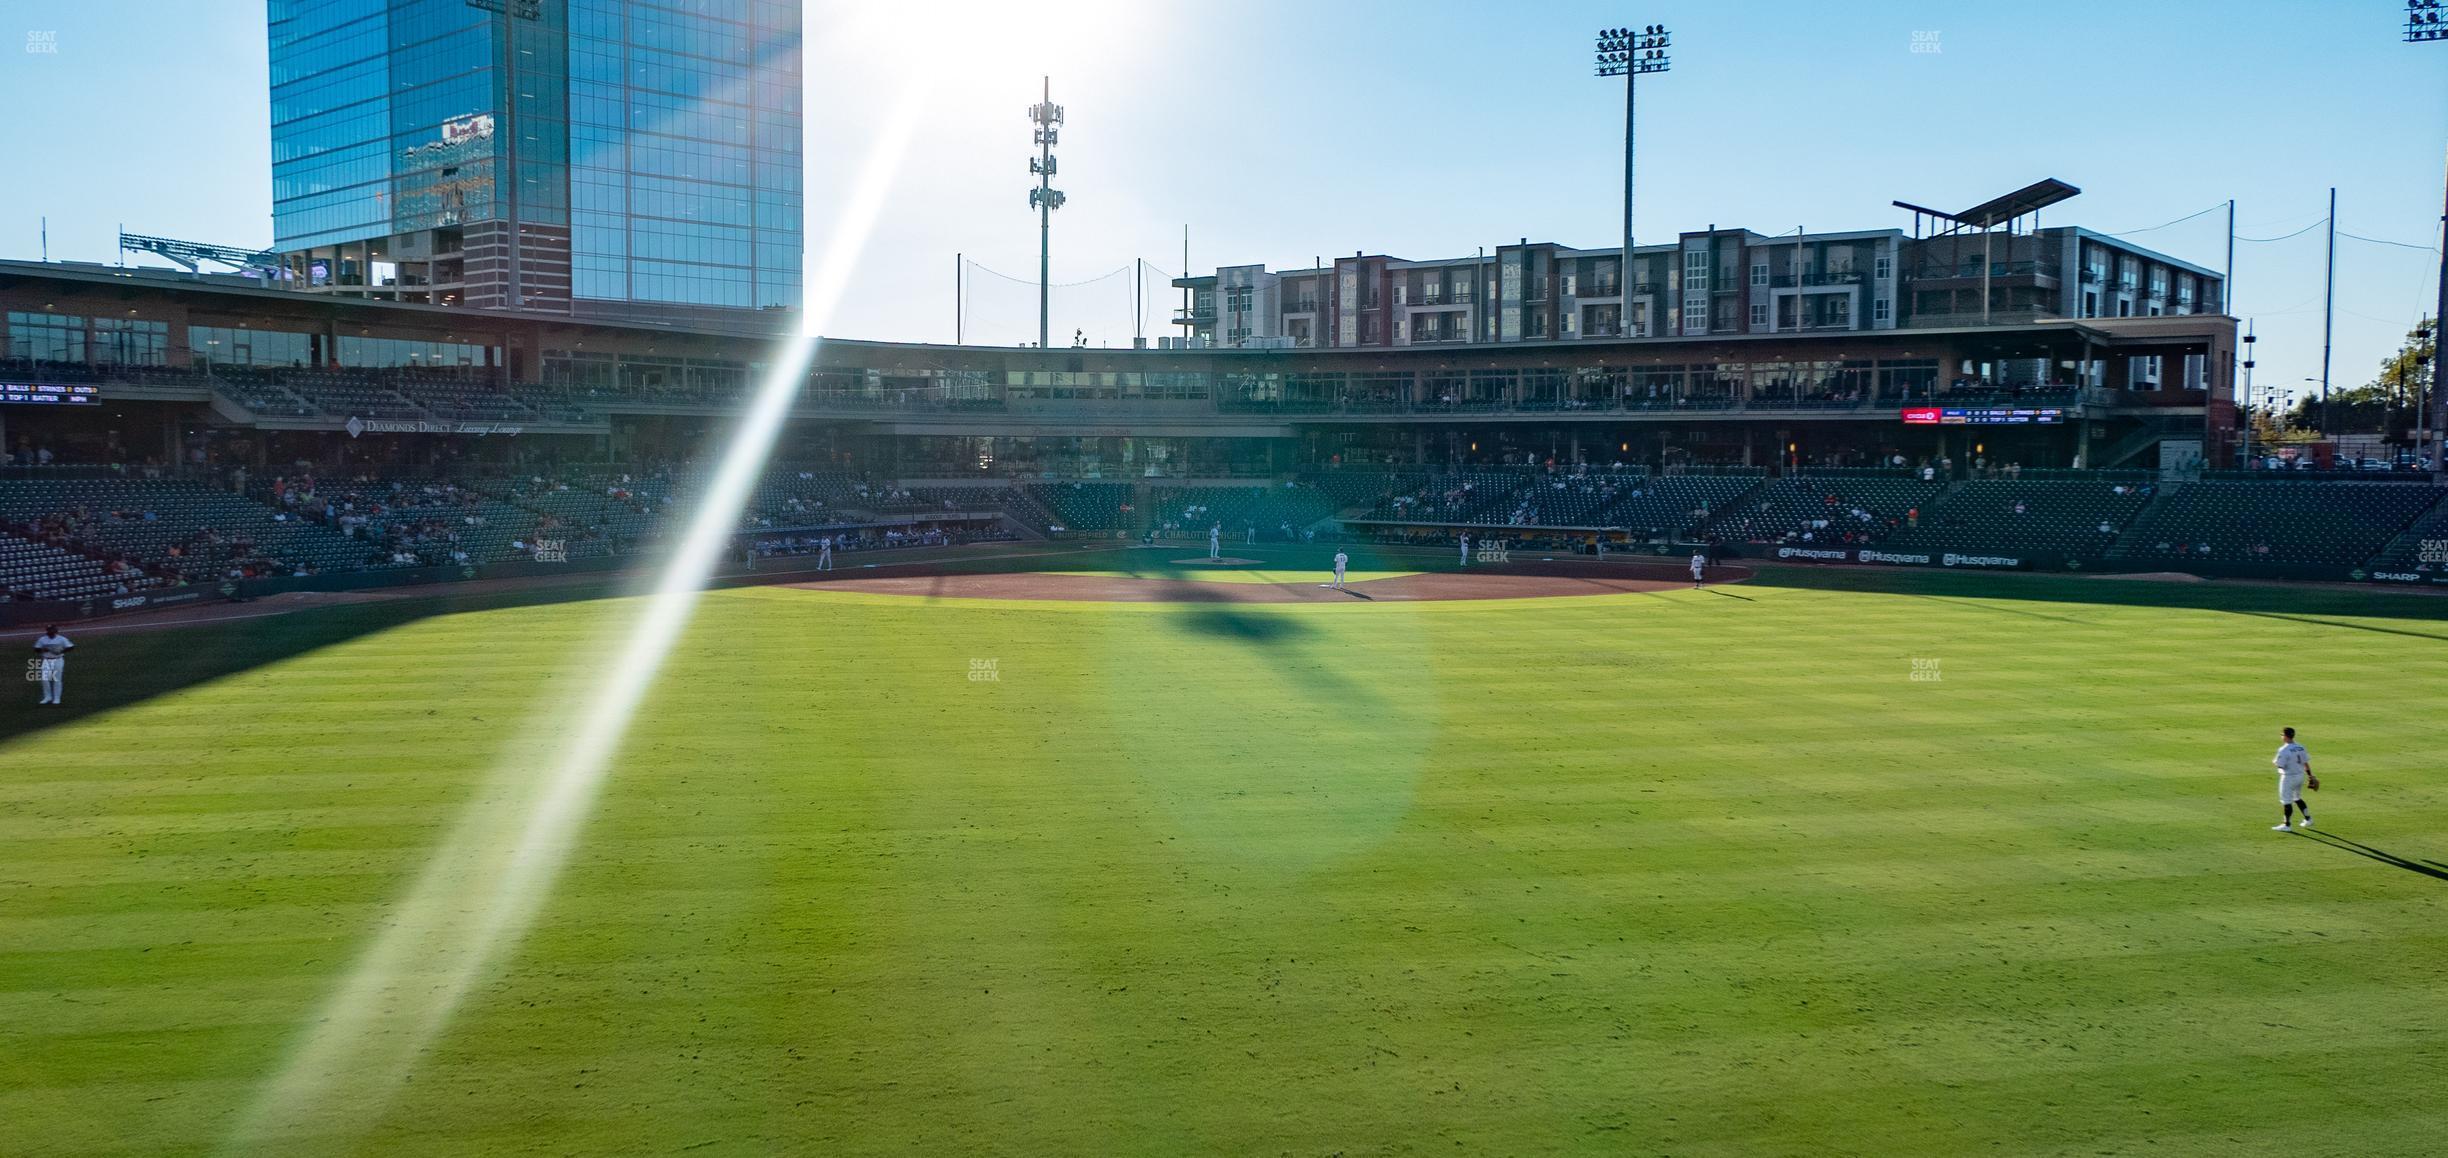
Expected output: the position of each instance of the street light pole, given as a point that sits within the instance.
(1629, 53)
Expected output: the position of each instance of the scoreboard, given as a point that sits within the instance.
(47, 394)
(1983, 416)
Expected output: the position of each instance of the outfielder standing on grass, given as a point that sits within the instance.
(51, 663)
(2294, 775)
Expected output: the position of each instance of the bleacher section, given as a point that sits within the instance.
(1466, 497)
(433, 522)
(2421, 547)
(177, 528)
(1085, 506)
(1669, 505)
(1850, 509)
(1359, 488)
(595, 511)
(1276, 511)
(84, 533)
(2263, 523)
(32, 570)
(1674, 505)
(984, 497)
(2049, 520)
(1569, 500)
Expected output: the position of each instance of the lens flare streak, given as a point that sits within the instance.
(490, 876)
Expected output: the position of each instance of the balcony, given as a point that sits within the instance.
(1195, 316)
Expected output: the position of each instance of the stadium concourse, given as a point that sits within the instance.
(82, 540)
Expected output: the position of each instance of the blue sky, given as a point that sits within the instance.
(1279, 131)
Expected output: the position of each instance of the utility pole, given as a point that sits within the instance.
(960, 296)
(1629, 53)
(1045, 198)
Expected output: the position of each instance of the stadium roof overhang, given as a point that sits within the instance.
(1998, 211)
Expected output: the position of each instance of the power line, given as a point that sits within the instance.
(2431, 249)
(2178, 221)
(2285, 236)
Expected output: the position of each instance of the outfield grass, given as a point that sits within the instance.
(1696, 873)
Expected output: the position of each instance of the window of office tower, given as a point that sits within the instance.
(685, 159)
(375, 118)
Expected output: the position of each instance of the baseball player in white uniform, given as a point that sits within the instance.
(824, 553)
(51, 663)
(1699, 564)
(1215, 542)
(1466, 548)
(2294, 775)
(1342, 560)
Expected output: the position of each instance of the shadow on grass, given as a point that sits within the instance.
(2217, 595)
(121, 663)
(115, 666)
(2433, 869)
(2348, 626)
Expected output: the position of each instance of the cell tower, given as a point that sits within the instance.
(1048, 117)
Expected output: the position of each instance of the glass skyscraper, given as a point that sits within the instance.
(597, 157)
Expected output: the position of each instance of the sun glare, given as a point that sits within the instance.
(487, 880)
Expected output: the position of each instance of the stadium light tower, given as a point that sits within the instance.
(1045, 198)
(1629, 53)
(2427, 20)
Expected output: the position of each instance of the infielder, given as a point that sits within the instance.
(824, 553)
(52, 666)
(1342, 560)
(1215, 542)
(2294, 775)
(1699, 569)
(1466, 548)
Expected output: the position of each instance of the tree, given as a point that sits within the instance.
(2389, 403)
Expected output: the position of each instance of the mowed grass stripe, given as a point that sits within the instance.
(1585, 874)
